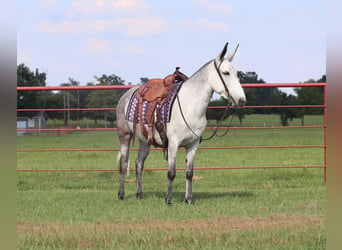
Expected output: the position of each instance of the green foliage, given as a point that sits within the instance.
(109, 98)
(54, 101)
(215, 113)
(29, 99)
(273, 96)
(143, 80)
(310, 96)
(104, 98)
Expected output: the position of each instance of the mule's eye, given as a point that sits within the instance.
(226, 73)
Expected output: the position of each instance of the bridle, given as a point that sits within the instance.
(222, 81)
(225, 113)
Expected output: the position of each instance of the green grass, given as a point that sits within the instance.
(205, 158)
(234, 209)
(252, 120)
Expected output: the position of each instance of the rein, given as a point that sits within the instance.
(225, 113)
(218, 124)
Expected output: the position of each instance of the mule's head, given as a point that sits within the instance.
(225, 80)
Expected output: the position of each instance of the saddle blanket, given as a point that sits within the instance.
(163, 110)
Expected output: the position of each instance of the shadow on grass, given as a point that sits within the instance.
(232, 194)
(198, 196)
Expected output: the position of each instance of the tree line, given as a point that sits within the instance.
(275, 97)
(86, 99)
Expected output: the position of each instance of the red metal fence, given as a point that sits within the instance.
(50, 88)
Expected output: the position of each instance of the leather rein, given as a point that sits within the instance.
(225, 113)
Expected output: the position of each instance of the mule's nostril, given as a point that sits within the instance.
(242, 102)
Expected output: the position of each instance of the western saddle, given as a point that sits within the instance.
(156, 92)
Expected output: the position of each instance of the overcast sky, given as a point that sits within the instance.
(282, 41)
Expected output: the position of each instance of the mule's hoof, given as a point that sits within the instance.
(139, 196)
(189, 201)
(121, 196)
(168, 202)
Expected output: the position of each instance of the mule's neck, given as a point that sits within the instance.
(196, 92)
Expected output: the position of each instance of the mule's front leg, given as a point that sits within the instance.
(144, 149)
(171, 174)
(190, 158)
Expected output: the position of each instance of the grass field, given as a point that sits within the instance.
(234, 209)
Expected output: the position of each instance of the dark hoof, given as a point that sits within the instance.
(139, 196)
(189, 201)
(121, 196)
(168, 202)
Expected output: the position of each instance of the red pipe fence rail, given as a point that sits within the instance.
(103, 87)
(107, 87)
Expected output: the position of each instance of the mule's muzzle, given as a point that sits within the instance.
(241, 102)
(237, 103)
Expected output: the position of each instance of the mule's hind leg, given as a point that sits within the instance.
(144, 150)
(125, 140)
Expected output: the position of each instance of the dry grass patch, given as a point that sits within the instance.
(286, 230)
(212, 226)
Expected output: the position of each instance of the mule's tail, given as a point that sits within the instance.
(118, 162)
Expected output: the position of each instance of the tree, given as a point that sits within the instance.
(109, 80)
(54, 101)
(29, 99)
(75, 99)
(286, 114)
(254, 96)
(104, 98)
(216, 114)
(143, 80)
(70, 100)
(310, 96)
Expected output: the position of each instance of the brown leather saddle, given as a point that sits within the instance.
(155, 91)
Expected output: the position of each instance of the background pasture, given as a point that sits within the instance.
(260, 209)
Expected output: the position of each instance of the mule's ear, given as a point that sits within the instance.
(220, 57)
(231, 56)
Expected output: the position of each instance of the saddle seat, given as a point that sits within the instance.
(155, 91)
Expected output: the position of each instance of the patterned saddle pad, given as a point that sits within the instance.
(163, 109)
